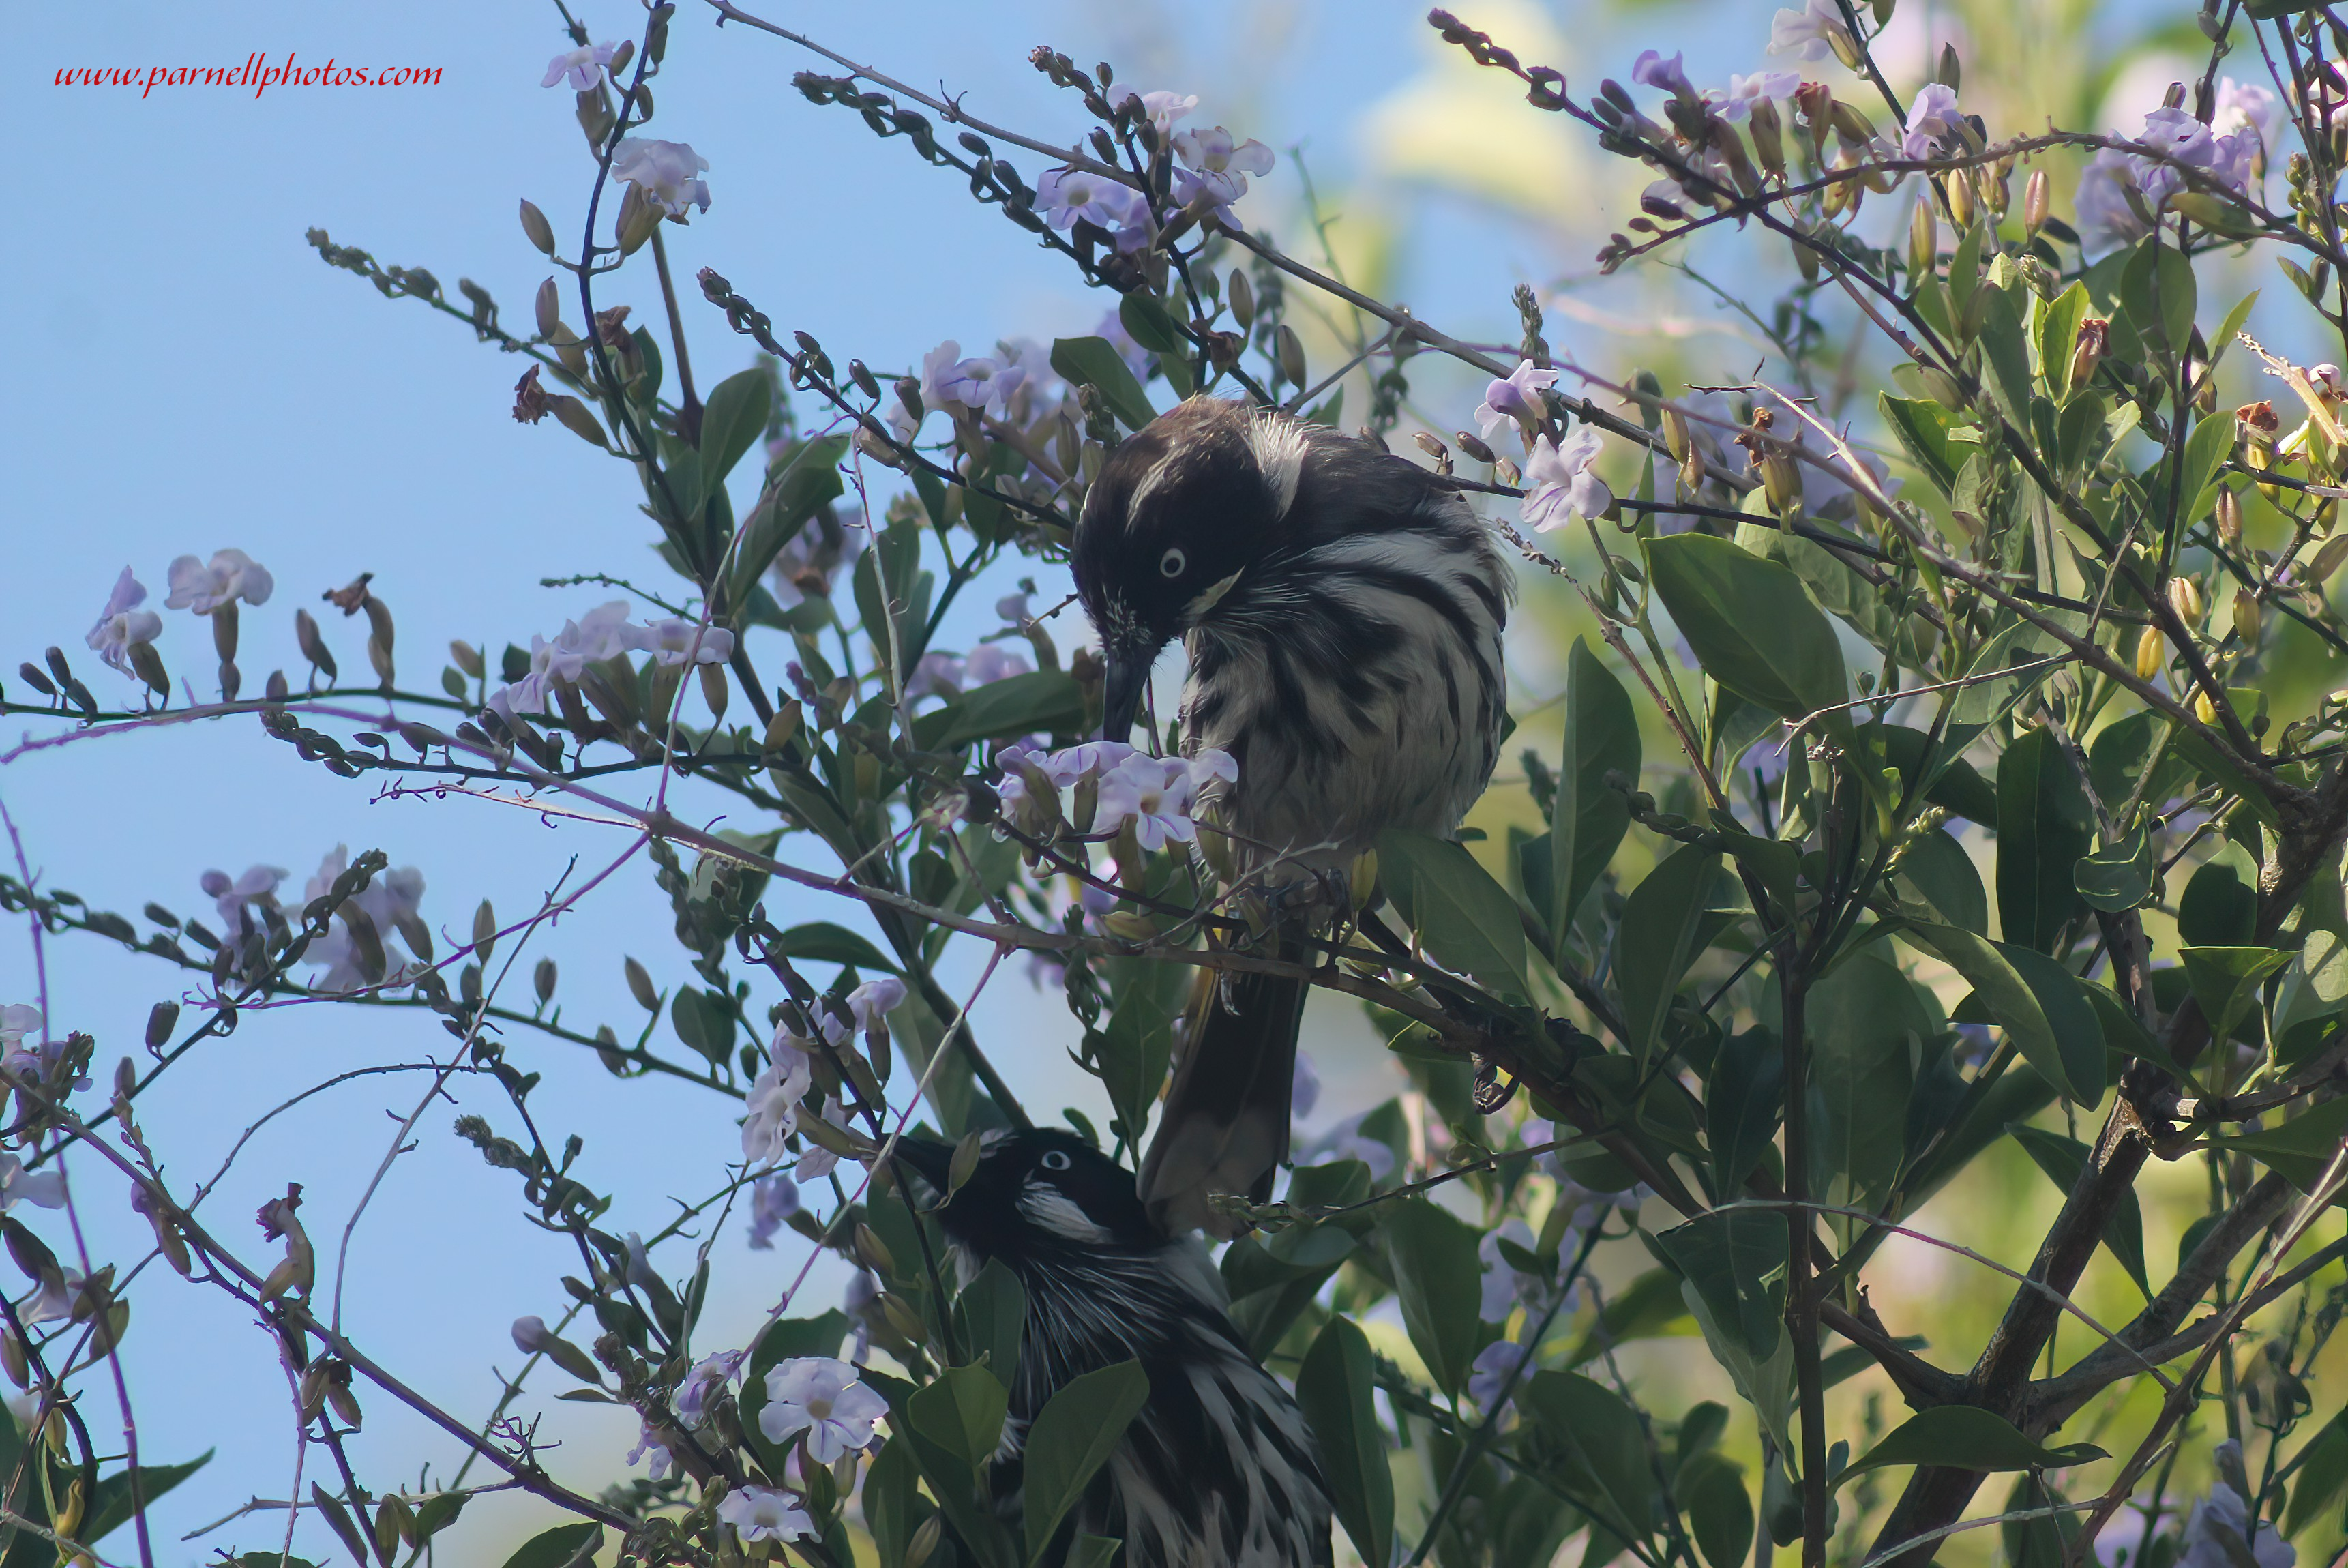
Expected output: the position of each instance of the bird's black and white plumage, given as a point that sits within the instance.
(1217, 1470)
(1342, 608)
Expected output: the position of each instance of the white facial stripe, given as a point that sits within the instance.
(1277, 445)
(1159, 472)
(1047, 1208)
(1196, 610)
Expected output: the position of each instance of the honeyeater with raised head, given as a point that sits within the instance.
(1217, 1470)
(1341, 610)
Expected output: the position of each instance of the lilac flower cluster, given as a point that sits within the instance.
(604, 633)
(2122, 193)
(1212, 173)
(1156, 795)
(775, 1095)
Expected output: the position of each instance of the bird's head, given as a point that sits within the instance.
(1181, 513)
(1034, 1193)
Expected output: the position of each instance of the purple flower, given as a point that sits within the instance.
(1932, 118)
(231, 575)
(1744, 90)
(2248, 107)
(977, 384)
(665, 171)
(1304, 1089)
(2105, 218)
(820, 1396)
(1514, 398)
(122, 623)
(710, 1376)
(1215, 168)
(584, 66)
(257, 885)
(1066, 195)
(764, 1513)
(1346, 1140)
(649, 1447)
(773, 1199)
(2218, 1534)
(774, 1099)
(1163, 109)
(1496, 1366)
(1814, 32)
(1560, 484)
(1155, 794)
(1652, 70)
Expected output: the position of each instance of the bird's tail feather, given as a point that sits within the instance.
(1224, 1128)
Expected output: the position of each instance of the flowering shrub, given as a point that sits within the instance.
(1722, 1004)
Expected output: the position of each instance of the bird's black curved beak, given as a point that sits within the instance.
(1126, 681)
(930, 1161)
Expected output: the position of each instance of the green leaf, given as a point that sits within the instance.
(2058, 335)
(1743, 1104)
(1649, 1307)
(1092, 362)
(2316, 1473)
(1135, 1049)
(2011, 999)
(992, 1314)
(2044, 827)
(1735, 1259)
(1657, 941)
(558, 1547)
(2206, 451)
(2019, 647)
(732, 421)
(1149, 323)
(1710, 1491)
(2062, 1159)
(1071, 1436)
(2005, 353)
(1332, 1389)
(1604, 1449)
(962, 1412)
(1440, 1280)
(2156, 290)
(828, 944)
(338, 1519)
(2314, 989)
(1767, 1385)
(1752, 626)
(1049, 701)
(1462, 918)
(805, 484)
(1965, 1436)
(109, 1505)
(2117, 877)
(1860, 1018)
(2226, 981)
(1601, 736)
(1922, 428)
(2220, 906)
(1937, 867)
(2300, 1148)
(2120, 753)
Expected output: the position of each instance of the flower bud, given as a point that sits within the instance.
(535, 227)
(1241, 297)
(1291, 349)
(1129, 925)
(2185, 598)
(872, 1251)
(1676, 439)
(575, 418)
(1943, 387)
(2148, 653)
(148, 665)
(2036, 197)
(1768, 139)
(2246, 618)
(1924, 240)
(2327, 560)
(1853, 126)
(638, 217)
(549, 309)
(1958, 186)
(639, 985)
(2203, 708)
(1473, 446)
(2229, 516)
(2087, 350)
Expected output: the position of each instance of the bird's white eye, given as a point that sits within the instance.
(1055, 1160)
(1172, 563)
